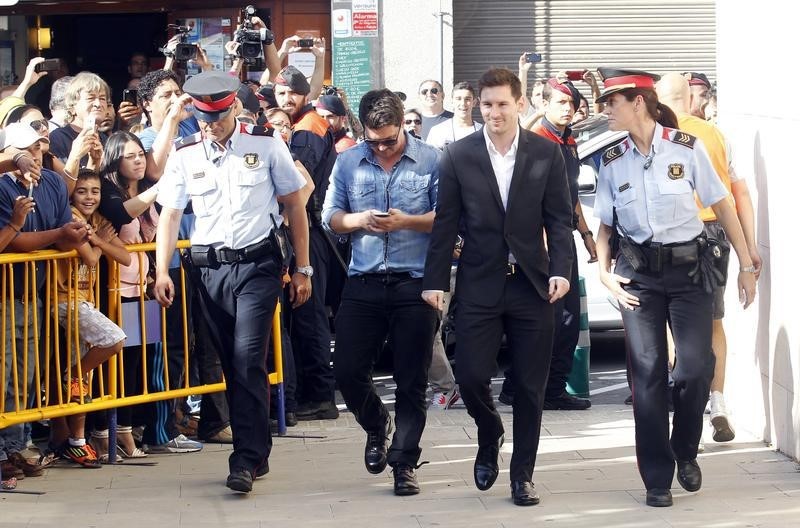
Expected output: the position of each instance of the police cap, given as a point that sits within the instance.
(332, 104)
(697, 79)
(294, 79)
(615, 80)
(213, 94)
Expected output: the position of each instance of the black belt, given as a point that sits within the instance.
(208, 257)
(677, 254)
(387, 277)
(247, 254)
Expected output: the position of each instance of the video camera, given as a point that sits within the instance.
(184, 50)
(251, 41)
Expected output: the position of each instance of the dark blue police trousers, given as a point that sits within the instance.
(667, 297)
(238, 302)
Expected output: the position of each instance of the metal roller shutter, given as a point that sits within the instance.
(576, 34)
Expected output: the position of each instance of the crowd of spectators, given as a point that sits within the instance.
(83, 174)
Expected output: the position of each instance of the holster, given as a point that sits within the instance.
(279, 236)
(203, 257)
(711, 269)
(633, 254)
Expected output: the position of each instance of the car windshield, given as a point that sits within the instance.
(589, 128)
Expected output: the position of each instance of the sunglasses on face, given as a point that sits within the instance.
(414, 121)
(375, 143)
(434, 91)
(39, 125)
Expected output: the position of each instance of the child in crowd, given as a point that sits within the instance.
(98, 337)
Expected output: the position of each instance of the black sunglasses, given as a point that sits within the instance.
(375, 143)
(39, 125)
(434, 91)
(415, 121)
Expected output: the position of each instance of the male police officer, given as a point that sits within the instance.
(235, 174)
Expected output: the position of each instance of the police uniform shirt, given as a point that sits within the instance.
(654, 193)
(233, 190)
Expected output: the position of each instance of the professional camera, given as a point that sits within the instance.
(330, 90)
(251, 40)
(184, 50)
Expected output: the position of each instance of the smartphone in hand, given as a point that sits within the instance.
(576, 75)
(48, 65)
(305, 43)
(533, 57)
(381, 214)
(130, 96)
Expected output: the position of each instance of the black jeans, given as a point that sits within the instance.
(238, 302)
(374, 308)
(310, 330)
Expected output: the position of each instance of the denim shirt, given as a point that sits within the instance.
(358, 183)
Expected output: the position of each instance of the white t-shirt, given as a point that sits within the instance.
(447, 132)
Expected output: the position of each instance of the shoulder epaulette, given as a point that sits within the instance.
(682, 138)
(256, 130)
(613, 153)
(188, 140)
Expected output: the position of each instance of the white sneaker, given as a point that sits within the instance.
(444, 400)
(179, 444)
(723, 430)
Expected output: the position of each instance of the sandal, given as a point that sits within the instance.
(136, 453)
(9, 484)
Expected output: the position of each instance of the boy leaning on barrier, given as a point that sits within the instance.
(98, 337)
(46, 223)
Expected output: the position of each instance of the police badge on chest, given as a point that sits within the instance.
(251, 160)
(675, 171)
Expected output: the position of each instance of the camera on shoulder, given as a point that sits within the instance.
(184, 50)
(251, 41)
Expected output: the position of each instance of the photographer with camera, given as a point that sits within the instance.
(178, 48)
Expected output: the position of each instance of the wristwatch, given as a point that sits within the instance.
(308, 271)
(748, 269)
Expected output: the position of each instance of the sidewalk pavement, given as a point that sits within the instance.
(585, 474)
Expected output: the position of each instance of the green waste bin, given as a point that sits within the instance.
(578, 379)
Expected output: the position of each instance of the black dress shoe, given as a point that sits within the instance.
(659, 497)
(322, 410)
(506, 398)
(405, 480)
(689, 476)
(240, 480)
(375, 449)
(523, 493)
(262, 469)
(486, 468)
(566, 402)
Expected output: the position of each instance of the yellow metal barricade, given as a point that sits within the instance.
(32, 353)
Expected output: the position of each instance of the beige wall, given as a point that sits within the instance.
(410, 39)
(760, 116)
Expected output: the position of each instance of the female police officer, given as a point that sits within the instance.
(663, 269)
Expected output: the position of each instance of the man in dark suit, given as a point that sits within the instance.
(502, 186)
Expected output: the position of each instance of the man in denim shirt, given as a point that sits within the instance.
(383, 192)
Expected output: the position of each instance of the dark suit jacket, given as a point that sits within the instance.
(469, 202)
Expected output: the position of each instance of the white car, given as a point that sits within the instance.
(593, 138)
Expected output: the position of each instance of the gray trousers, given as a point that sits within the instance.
(440, 374)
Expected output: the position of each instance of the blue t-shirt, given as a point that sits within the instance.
(51, 212)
